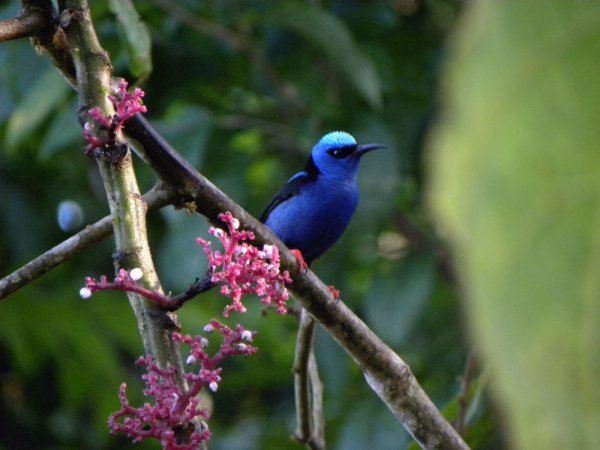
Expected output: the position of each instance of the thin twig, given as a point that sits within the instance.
(89, 236)
(316, 388)
(465, 395)
(310, 427)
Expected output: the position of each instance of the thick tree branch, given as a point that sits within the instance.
(94, 72)
(155, 199)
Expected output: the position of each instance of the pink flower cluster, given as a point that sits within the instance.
(240, 269)
(235, 342)
(104, 132)
(176, 418)
(244, 269)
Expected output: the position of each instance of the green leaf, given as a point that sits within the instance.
(44, 96)
(403, 295)
(187, 128)
(331, 35)
(516, 187)
(63, 132)
(136, 37)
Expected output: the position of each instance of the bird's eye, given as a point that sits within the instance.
(341, 152)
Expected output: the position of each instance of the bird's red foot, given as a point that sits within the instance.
(336, 294)
(298, 254)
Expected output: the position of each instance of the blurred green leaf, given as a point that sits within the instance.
(64, 131)
(180, 260)
(47, 92)
(332, 36)
(136, 37)
(402, 295)
(187, 128)
(359, 428)
(248, 141)
(78, 346)
(517, 189)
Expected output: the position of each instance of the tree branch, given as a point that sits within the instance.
(310, 424)
(35, 18)
(94, 72)
(38, 19)
(155, 199)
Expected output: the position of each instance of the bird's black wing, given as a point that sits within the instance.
(292, 187)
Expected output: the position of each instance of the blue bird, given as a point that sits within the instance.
(312, 210)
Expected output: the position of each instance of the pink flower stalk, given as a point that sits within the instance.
(104, 131)
(124, 281)
(244, 269)
(176, 418)
(127, 104)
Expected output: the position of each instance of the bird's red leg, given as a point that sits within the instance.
(298, 254)
(336, 294)
(303, 266)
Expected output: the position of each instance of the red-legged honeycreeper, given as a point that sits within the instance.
(312, 210)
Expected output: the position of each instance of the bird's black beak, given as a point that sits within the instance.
(362, 149)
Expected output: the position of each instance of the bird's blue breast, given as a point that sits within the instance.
(316, 217)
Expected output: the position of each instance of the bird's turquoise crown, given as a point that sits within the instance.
(338, 139)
